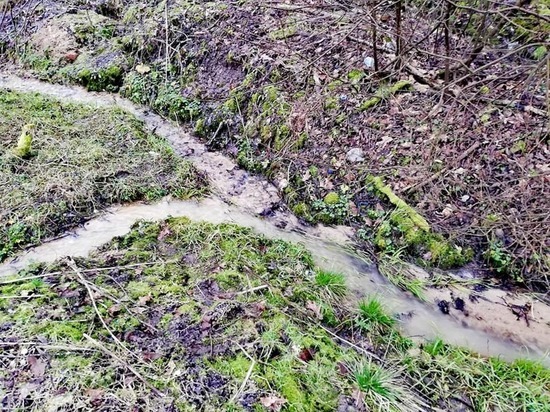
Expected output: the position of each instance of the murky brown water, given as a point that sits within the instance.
(238, 198)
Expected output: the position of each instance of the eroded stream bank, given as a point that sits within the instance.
(508, 337)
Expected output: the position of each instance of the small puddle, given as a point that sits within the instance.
(238, 198)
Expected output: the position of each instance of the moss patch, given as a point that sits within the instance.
(405, 228)
(241, 319)
(83, 159)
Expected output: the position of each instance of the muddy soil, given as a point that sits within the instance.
(490, 315)
(275, 86)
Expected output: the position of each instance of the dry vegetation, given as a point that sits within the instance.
(289, 89)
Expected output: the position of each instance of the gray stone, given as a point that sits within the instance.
(355, 155)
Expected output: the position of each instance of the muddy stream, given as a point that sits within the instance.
(488, 326)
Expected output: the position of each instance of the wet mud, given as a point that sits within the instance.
(492, 322)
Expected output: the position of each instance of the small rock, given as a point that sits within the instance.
(448, 211)
(464, 198)
(143, 69)
(368, 62)
(444, 306)
(459, 304)
(355, 155)
(71, 56)
(282, 183)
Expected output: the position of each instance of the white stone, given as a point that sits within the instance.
(355, 155)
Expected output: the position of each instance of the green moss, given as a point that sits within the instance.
(384, 93)
(61, 330)
(283, 33)
(446, 255)
(124, 323)
(400, 230)
(335, 84)
(302, 210)
(230, 279)
(331, 198)
(355, 76)
(23, 149)
(295, 357)
(331, 103)
(236, 367)
(400, 204)
(96, 80)
(138, 289)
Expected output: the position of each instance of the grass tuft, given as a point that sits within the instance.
(383, 390)
(333, 283)
(373, 315)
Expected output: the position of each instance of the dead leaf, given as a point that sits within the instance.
(95, 395)
(142, 301)
(151, 356)
(314, 307)
(69, 293)
(143, 69)
(205, 322)
(27, 389)
(38, 366)
(165, 232)
(343, 369)
(306, 355)
(358, 396)
(272, 402)
(114, 309)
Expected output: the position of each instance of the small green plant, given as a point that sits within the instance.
(333, 208)
(499, 258)
(372, 315)
(165, 98)
(434, 347)
(23, 149)
(16, 235)
(333, 283)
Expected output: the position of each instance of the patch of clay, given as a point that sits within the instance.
(54, 40)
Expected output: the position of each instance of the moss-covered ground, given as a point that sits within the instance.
(61, 163)
(252, 80)
(182, 316)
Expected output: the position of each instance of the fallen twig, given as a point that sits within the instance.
(124, 364)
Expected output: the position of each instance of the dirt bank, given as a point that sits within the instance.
(277, 88)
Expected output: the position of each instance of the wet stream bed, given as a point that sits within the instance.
(489, 322)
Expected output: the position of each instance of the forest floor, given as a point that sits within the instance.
(182, 316)
(285, 89)
(190, 316)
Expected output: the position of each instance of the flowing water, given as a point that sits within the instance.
(238, 198)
